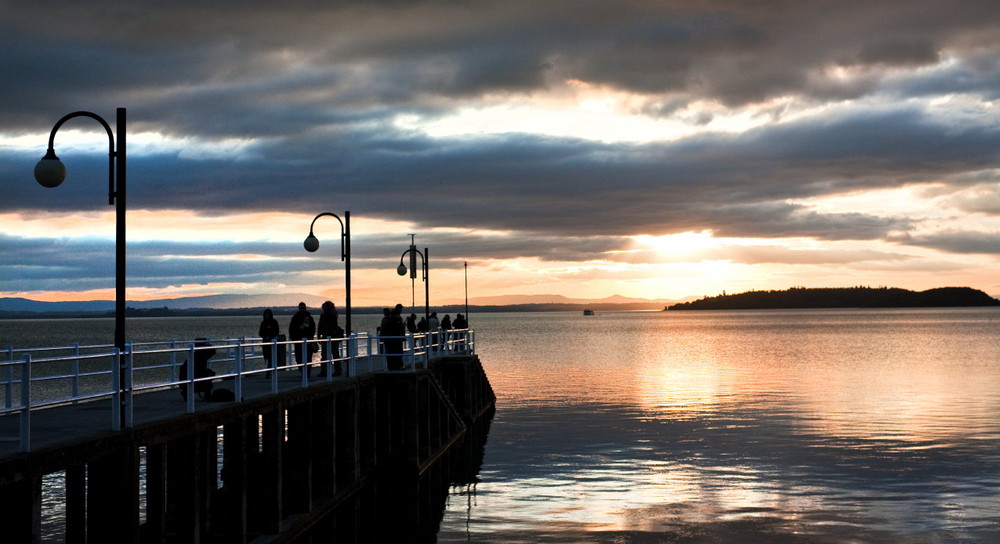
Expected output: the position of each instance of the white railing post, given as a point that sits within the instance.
(352, 350)
(351, 353)
(238, 393)
(328, 362)
(129, 369)
(76, 369)
(411, 353)
(427, 357)
(189, 379)
(305, 362)
(116, 390)
(173, 361)
(274, 363)
(26, 403)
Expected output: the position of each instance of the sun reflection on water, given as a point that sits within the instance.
(838, 426)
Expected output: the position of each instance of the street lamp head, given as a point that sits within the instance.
(311, 244)
(50, 171)
(401, 269)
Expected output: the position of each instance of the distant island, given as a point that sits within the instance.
(849, 297)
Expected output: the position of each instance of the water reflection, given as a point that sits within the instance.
(846, 426)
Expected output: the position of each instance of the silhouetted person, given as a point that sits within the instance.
(386, 317)
(268, 331)
(330, 328)
(446, 323)
(411, 323)
(392, 334)
(433, 325)
(461, 324)
(201, 370)
(301, 327)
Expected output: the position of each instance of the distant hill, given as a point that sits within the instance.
(16, 305)
(18, 308)
(851, 297)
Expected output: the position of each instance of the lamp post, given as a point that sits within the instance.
(311, 244)
(413, 276)
(50, 172)
(401, 270)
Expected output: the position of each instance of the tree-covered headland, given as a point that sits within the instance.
(849, 297)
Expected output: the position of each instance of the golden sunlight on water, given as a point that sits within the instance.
(845, 426)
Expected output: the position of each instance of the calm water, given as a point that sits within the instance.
(842, 426)
(796, 426)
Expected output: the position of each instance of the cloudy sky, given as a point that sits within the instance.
(653, 149)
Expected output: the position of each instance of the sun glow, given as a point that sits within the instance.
(684, 243)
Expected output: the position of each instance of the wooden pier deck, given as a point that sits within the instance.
(287, 458)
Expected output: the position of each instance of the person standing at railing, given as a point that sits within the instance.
(393, 331)
(330, 328)
(386, 317)
(461, 324)
(301, 327)
(411, 329)
(432, 327)
(422, 329)
(268, 331)
(445, 331)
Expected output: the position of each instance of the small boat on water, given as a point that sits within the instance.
(588, 312)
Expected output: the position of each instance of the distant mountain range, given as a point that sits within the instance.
(183, 303)
(853, 297)
(215, 304)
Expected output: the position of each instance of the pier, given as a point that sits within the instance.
(292, 454)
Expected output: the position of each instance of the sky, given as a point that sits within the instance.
(648, 149)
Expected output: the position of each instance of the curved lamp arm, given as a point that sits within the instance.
(401, 269)
(311, 243)
(50, 171)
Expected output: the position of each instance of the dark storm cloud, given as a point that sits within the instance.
(316, 86)
(168, 57)
(84, 264)
(958, 242)
(735, 185)
(738, 185)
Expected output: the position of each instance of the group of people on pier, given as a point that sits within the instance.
(391, 333)
(391, 330)
(434, 324)
(303, 327)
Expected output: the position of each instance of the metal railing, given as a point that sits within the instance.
(43, 378)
